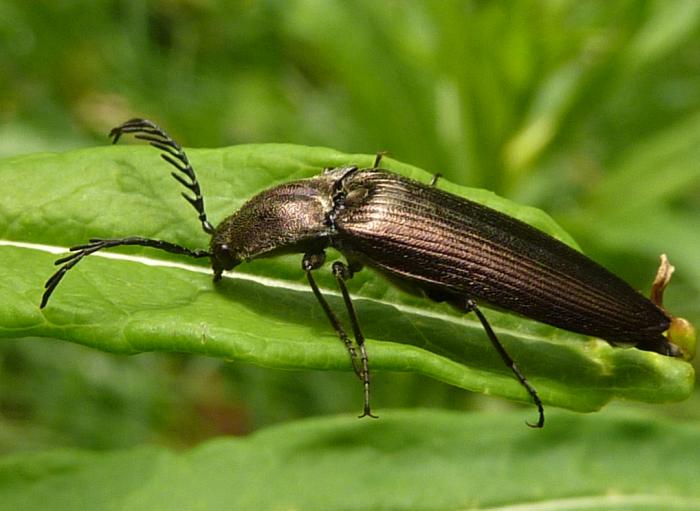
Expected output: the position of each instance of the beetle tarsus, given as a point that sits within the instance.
(538, 403)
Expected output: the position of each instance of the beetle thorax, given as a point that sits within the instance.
(288, 218)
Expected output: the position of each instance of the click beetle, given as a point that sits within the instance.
(430, 242)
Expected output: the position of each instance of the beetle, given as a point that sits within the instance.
(427, 241)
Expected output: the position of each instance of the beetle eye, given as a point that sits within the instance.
(225, 259)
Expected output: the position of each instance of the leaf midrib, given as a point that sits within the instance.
(259, 279)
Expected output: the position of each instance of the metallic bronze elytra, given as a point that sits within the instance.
(433, 243)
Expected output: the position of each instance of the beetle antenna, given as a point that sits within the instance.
(173, 153)
(96, 244)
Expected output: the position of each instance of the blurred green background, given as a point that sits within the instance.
(588, 110)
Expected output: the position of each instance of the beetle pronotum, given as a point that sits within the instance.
(444, 247)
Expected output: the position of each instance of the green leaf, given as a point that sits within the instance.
(415, 460)
(267, 315)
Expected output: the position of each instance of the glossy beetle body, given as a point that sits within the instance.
(428, 241)
(445, 247)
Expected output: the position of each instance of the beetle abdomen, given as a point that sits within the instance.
(438, 240)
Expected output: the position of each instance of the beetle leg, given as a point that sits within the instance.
(96, 244)
(433, 182)
(312, 262)
(470, 305)
(342, 273)
(378, 159)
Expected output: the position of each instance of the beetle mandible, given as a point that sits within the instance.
(436, 244)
